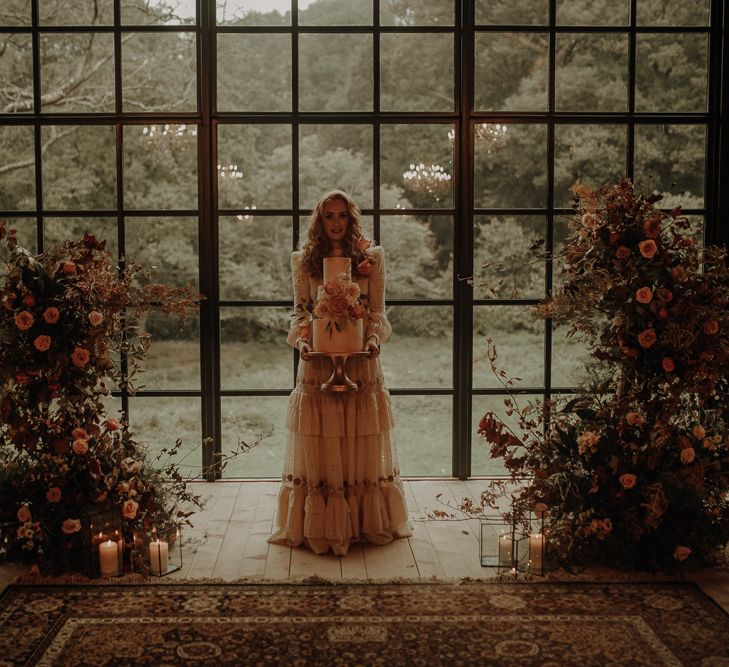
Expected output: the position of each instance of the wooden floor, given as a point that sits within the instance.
(228, 541)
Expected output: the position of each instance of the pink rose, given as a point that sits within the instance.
(648, 248)
(96, 318)
(644, 295)
(80, 446)
(352, 291)
(113, 424)
(23, 514)
(42, 343)
(622, 252)
(53, 495)
(688, 455)
(322, 309)
(364, 268)
(698, 432)
(80, 357)
(587, 440)
(69, 267)
(79, 433)
(628, 480)
(51, 315)
(332, 287)
(681, 553)
(71, 526)
(130, 509)
(338, 305)
(711, 327)
(647, 338)
(24, 320)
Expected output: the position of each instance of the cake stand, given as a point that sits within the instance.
(338, 382)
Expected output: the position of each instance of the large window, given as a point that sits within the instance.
(196, 137)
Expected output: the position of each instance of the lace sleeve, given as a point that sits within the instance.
(300, 328)
(377, 323)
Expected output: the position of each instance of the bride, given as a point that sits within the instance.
(341, 480)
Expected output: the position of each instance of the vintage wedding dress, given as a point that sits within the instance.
(341, 481)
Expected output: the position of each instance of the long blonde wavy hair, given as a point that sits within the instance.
(317, 245)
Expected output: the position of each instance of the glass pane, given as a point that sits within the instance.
(63, 57)
(253, 349)
(318, 12)
(414, 12)
(335, 72)
(592, 154)
(254, 166)
(592, 72)
(79, 167)
(511, 71)
(159, 72)
(506, 240)
(76, 12)
(16, 73)
(510, 165)
(57, 230)
(15, 12)
(507, 12)
(593, 12)
(160, 166)
(671, 73)
(420, 350)
(481, 461)
(335, 157)
(673, 12)
(17, 168)
(670, 159)
(174, 355)
(254, 72)
(419, 256)
(247, 418)
(167, 246)
(366, 224)
(417, 166)
(149, 12)
(569, 356)
(416, 71)
(255, 257)
(159, 421)
(519, 339)
(423, 434)
(26, 235)
(253, 12)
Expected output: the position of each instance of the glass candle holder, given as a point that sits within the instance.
(102, 544)
(158, 552)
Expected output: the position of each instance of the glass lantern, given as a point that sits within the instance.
(157, 552)
(102, 542)
(503, 548)
(537, 541)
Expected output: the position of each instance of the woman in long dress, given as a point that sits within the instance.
(341, 480)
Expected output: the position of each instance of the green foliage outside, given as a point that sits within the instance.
(255, 162)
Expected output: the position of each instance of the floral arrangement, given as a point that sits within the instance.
(68, 317)
(635, 469)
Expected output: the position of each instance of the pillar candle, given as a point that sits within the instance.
(158, 556)
(536, 546)
(109, 559)
(505, 548)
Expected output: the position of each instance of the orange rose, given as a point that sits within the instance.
(53, 495)
(622, 252)
(69, 267)
(664, 294)
(648, 248)
(42, 343)
(711, 327)
(652, 227)
(698, 432)
(51, 315)
(681, 553)
(113, 424)
(644, 295)
(79, 434)
(80, 357)
(678, 273)
(337, 305)
(71, 526)
(628, 480)
(647, 338)
(80, 446)
(688, 455)
(634, 419)
(24, 320)
(96, 318)
(130, 509)
(668, 364)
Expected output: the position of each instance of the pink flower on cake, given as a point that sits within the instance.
(71, 526)
(352, 292)
(364, 268)
(23, 514)
(331, 287)
(338, 305)
(357, 311)
(322, 309)
(681, 553)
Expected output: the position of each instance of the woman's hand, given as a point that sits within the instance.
(304, 349)
(373, 348)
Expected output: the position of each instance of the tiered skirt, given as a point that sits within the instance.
(341, 480)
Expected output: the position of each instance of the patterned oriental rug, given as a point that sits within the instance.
(546, 624)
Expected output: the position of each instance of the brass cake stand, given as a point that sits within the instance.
(338, 382)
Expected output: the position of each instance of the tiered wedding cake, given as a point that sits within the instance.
(338, 324)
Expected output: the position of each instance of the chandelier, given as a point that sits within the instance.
(429, 179)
